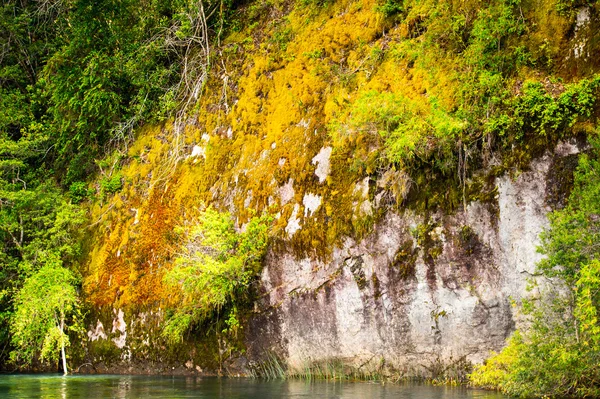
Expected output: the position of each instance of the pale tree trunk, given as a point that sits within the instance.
(62, 345)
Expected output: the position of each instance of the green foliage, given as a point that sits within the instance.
(572, 6)
(111, 184)
(282, 36)
(78, 191)
(558, 355)
(538, 113)
(405, 129)
(391, 7)
(571, 242)
(214, 272)
(35, 219)
(95, 89)
(33, 223)
(46, 308)
(588, 304)
(490, 35)
(315, 54)
(88, 72)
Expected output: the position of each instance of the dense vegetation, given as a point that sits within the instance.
(76, 78)
(46, 309)
(213, 274)
(425, 98)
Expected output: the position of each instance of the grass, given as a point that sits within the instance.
(272, 368)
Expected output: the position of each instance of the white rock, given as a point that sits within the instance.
(198, 151)
(322, 162)
(583, 17)
(136, 218)
(459, 306)
(362, 187)
(286, 192)
(566, 148)
(304, 123)
(248, 199)
(311, 203)
(293, 224)
(97, 332)
(120, 326)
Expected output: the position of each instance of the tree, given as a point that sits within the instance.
(35, 218)
(214, 271)
(46, 308)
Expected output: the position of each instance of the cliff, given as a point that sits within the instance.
(407, 158)
(423, 295)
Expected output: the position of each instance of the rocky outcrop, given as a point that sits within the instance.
(419, 291)
(419, 295)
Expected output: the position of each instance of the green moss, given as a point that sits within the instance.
(483, 189)
(432, 191)
(430, 245)
(376, 284)
(104, 351)
(469, 241)
(427, 239)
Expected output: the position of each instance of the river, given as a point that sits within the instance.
(50, 386)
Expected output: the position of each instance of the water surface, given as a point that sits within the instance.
(121, 387)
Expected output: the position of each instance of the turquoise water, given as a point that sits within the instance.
(121, 387)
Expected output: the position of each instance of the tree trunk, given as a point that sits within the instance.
(62, 345)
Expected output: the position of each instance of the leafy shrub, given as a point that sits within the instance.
(111, 184)
(407, 128)
(538, 112)
(391, 7)
(214, 271)
(47, 307)
(78, 191)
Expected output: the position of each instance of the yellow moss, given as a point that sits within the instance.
(290, 80)
(283, 104)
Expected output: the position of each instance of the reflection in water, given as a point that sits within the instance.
(48, 386)
(63, 388)
(123, 387)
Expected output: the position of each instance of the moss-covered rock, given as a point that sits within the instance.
(331, 118)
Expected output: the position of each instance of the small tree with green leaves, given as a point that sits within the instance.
(214, 271)
(46, 308)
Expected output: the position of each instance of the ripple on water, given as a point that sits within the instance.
(50, 386)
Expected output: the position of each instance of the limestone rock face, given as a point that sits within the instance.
(420, 293)
(416, 292)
